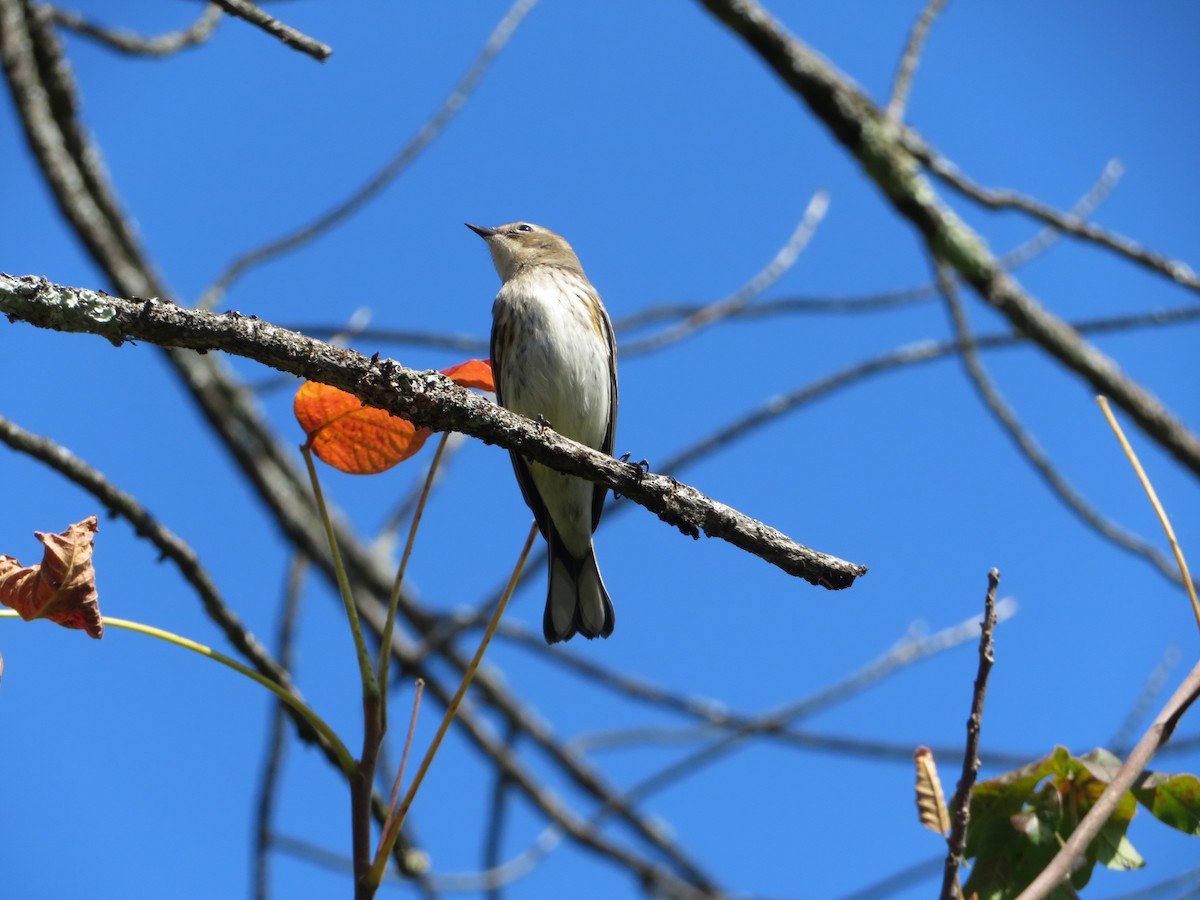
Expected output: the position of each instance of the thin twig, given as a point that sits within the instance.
(44, 100)
(397, 164)
(1156, 736)
(908, 62)
(389, 835)
(493, 842)
(297, 40)
(412, 728)
(389, 625)
(960, 806)
(888, 156)
(1084, 207)
(1025, 442)
(276, 745)
(906, 652)
(1154, 501)
(1131, 725)
(783, 260)
(426, 399)
(134, 44)
(1060, 868)
(1177, 271)
(169, 546)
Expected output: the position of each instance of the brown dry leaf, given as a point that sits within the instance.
(931, 802)
(62, 587)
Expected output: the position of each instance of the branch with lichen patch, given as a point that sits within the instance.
(428, 399)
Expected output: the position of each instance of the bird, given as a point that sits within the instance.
(554, 359)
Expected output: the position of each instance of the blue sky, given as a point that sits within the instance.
(677, 165)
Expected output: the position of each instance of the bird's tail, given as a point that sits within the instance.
(576, 600)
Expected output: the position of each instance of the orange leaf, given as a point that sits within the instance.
(353, 438)
(62, 587)
(474, 373)
(362, 440)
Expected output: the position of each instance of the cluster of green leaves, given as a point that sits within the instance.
(1019, 820)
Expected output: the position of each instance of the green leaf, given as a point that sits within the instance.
(1173, 799)
(1102, 764)
(995, 801)
(1115, 851)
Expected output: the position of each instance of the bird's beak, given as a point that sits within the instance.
(484, 233)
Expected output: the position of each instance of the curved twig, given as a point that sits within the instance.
(887, 155)
(397, 164)
(908, 62)
(740, 299)
(133, 44)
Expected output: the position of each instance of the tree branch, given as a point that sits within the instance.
(1158, 734)
(244, 9)
(133, 44)
(960, 806)
(427, 399)
(886, 155)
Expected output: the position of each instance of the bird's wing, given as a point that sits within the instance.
(610, 436)
(520, 466)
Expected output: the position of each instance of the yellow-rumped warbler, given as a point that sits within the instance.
(554, 357)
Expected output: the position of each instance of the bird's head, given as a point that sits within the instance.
(521, 245)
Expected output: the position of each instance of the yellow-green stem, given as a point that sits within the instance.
(366, 670)
(389, 837)
(391, 815)
(1158, 507)
(345, 760)
(389, 625)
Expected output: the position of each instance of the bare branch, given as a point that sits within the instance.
(276, 745)
(1028, 446)
(1120, 742)
(888, 158)
(427, 399)
(908, 62)
(169, 546)
(743, 296)
(960, 806)
(134, 44)
(46, 107)
(398, 163)
(1159, 733)
(1177, 271)
(244, 9)
(43, 91)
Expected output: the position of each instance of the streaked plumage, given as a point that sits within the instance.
(554, 356)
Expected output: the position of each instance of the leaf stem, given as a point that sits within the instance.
(389, 624)
(348, 766)
(1188, 584)
(389, 837)
(366, 670)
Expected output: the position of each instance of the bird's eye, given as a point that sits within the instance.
(524, 227)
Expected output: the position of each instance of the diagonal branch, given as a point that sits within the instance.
(884, 151)
(43, 95)
(741, 299)
(1159, 733)
(244, 9)
(1069, 223)
(402, 159)
(1026, 443)
(427, 399)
